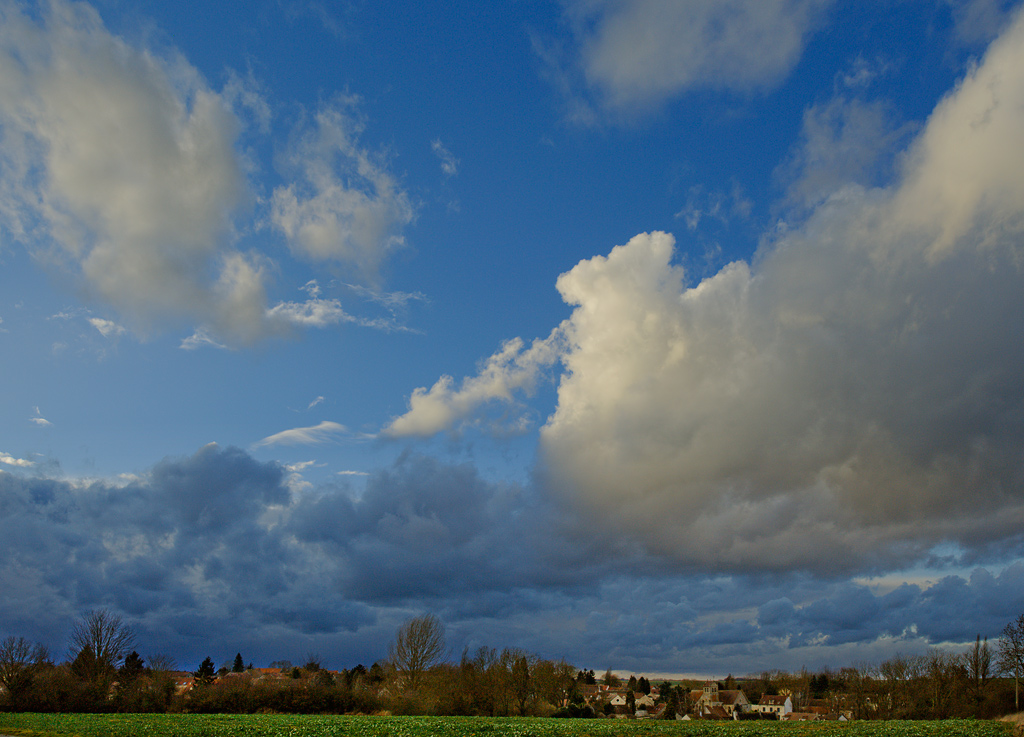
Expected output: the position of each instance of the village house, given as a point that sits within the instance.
(778, 705)
(643, 701)
(183, 682)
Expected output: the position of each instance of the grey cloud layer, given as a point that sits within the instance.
(221, 537)
(214, 553)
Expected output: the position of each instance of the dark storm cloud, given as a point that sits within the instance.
(214, 552)
(189, 541)
(219, 538)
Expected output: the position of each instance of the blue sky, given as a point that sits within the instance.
(673, 337)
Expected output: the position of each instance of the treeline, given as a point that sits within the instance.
(104, 673)
(487, 683)
(937, 685)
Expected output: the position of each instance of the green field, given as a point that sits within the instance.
(243, 725)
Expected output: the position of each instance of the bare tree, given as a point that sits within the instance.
(161, 663)
(978, 662)
(946, 675)
(313, 662)
(108, 638)
(418, 646)
(15, 659)
(160, 667)
(1011, 655)
(859, 677)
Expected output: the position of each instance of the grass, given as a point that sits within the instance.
(275, 725)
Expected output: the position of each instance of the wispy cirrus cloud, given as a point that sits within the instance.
(201, 338)
(38, 418)
(393, 302)
(326, 431)
(449, 164)
(107, 328)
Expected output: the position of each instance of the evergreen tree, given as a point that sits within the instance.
(85, 667)
(206, 672)
(133, 668)
(239, 665)
(670, 697)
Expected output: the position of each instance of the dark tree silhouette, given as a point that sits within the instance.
(206, 672)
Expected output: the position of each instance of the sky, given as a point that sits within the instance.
(664, 336)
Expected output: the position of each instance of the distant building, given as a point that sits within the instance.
(777, 705)
(712, 702)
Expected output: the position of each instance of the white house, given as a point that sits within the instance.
(778, 705)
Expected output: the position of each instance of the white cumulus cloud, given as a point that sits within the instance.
(10, 460)
(345, 207)
(509, 370)
(120, 160)
(311, 313)
(199, 339)
(639, 52)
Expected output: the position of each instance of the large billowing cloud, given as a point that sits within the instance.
(639, 52)
(843, 399)
(840, 402)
